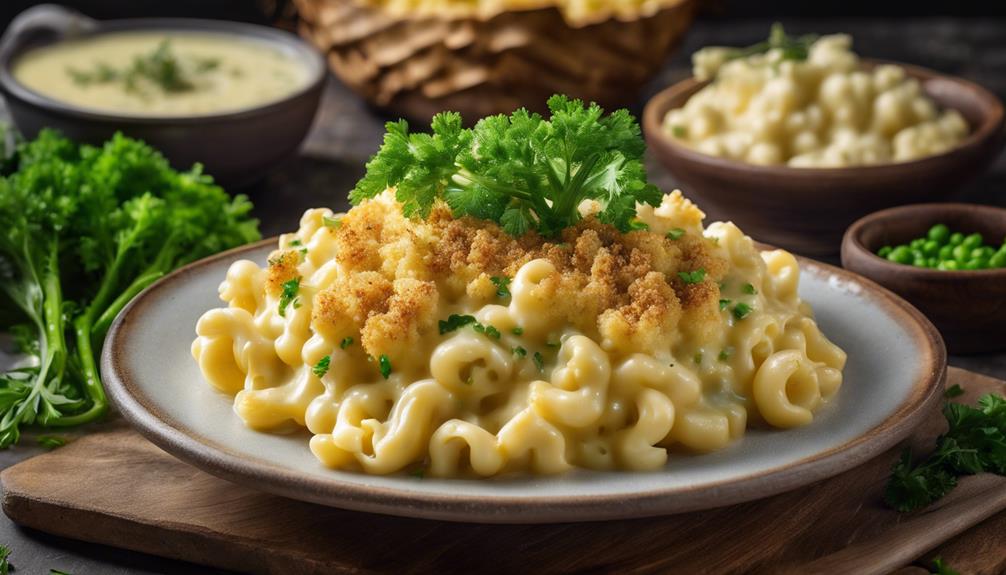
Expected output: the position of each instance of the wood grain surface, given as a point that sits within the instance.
(116, 488)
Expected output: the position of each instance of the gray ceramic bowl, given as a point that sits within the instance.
(236, 147)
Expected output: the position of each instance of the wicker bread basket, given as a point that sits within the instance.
(415, 65)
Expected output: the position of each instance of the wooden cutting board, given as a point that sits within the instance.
(116, 488)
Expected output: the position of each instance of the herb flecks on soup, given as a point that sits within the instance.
(162, 73)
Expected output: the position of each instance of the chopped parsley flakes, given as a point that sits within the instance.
(321, 368)
(742, 310)
(502, 285)
(693, 277)
(675, 234)
(539, 361)
(346, 342)
(289, 295)
(385, 366)
(454, 321)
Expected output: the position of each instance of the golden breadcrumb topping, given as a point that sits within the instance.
(621, 288)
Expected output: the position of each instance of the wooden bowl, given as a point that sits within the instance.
(968, 307)
(416, 65)
(807, 209)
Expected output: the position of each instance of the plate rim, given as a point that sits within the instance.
(213, 457)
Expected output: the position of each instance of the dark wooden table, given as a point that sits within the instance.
(346, 133)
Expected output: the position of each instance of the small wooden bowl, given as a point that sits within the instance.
(968, 307)
(807, 209)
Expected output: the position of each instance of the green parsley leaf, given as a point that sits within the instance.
(502, 285)
(51, 441)
(725, 353)
(289, 295)
(941, 568)
(792, 48)
(5, 565)
(296, 243)
(975, 442)
(347, 341)
(742, 310)
(454, 321)
(522, 171)
(517, 330)
(638, 226)
(698, 358)
(57, 572)
(539, 361)
(331, 222)
(519, 351)
(385, 365)
(84, 230)
(679, 131)
(693, 277)
(675, 234)
(321, 368)
(488, 331)
(953, 391)
(749, 289)
(724, 303)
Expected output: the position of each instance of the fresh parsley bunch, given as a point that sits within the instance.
(521, 171)
(83, 230)
(975, 441)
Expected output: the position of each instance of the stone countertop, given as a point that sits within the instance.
(347, 132)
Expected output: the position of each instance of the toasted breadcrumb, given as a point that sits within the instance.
(622, 288)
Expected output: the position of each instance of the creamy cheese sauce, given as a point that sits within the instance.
(160, 73)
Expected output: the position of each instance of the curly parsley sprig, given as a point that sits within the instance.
(975, 441)
(522, 171)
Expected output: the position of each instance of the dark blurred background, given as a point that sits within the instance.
(264, 10)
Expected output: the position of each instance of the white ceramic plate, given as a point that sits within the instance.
(895, 371)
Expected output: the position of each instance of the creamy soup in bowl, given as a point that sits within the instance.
(163, 73)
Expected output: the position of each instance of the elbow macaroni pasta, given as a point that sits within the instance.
(824, 111)
(539, 392)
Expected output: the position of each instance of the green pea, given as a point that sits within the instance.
(949, 265)
(998, 260)
(931, 248)
(956, 238)
(946, 252)
(901, 255)
(932, 262)
(972, 241)
(919, 262)
(939, 233)
(961, 253)
(971, 265)
(885, 251)
(917, 243)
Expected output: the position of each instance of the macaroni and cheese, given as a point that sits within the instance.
(449, 345)
(822, 111)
